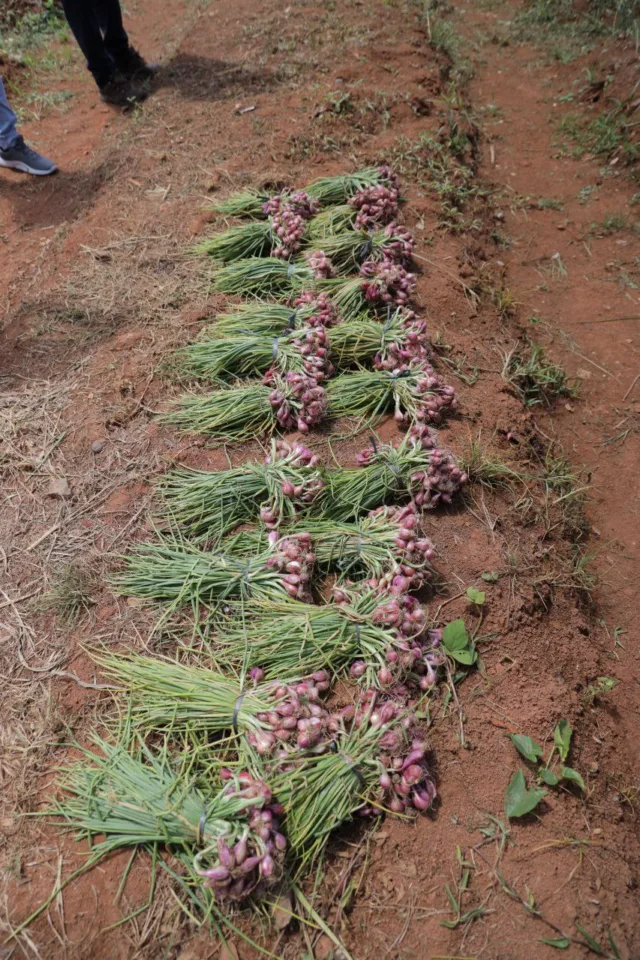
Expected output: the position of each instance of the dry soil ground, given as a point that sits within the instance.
(96, 290)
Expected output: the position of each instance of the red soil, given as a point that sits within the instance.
(103, 236)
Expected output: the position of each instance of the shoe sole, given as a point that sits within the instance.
(25, 168)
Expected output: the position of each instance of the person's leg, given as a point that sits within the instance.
(14, 152)
(127, 60)
(116, 41)
(8, 120)
(83, 19)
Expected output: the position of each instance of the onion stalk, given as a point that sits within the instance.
(271, 319)
(208, 504)
(175, 570)
(248, 354)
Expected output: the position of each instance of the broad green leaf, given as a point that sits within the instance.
(560, 943)
(568, 773)
(455, 636)
(466, 657)
(476, 596)
(562, 738)
(491, 577)
(529, 749)
(518, 800)
(548, 777)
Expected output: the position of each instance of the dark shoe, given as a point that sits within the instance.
(21, 157)
(134, 66)
(122, 91)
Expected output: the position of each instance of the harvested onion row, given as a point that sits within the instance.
(415, 393)
(328, 191)
(380, 282)
(387, 542)
(285, 231)
(349, 250)
(290, 484)
(309, 349)
(380, 638)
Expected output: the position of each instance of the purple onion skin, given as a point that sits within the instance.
(250, 864)
(217, 874)
(267, 866)
(240, 851)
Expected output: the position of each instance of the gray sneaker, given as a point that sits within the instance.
(21, 157)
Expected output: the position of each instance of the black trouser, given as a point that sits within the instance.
(97, 27)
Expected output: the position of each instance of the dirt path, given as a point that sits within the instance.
(99, 290)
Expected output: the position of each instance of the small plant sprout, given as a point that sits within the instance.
(600, 687)
(549, 773)
(458, 645)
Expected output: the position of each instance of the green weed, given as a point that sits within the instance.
(535, 378)
(484, 467)
(598, 689)
(613, 223)
(438, 165)
(549, 203)
(605, 135)
(21, 35)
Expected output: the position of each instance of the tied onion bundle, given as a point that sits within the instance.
(247, 354)
(279, 236)
(177, 571)
(387, 541)
(367, 209)
(381, 639)
(293, 401)
(401, 338)
(227, 842)
(165, 693)
(415, 468)
(209, 504)
(350, 249)
(415, 393)
(377, 764)
(309, 309)
(328, 191)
